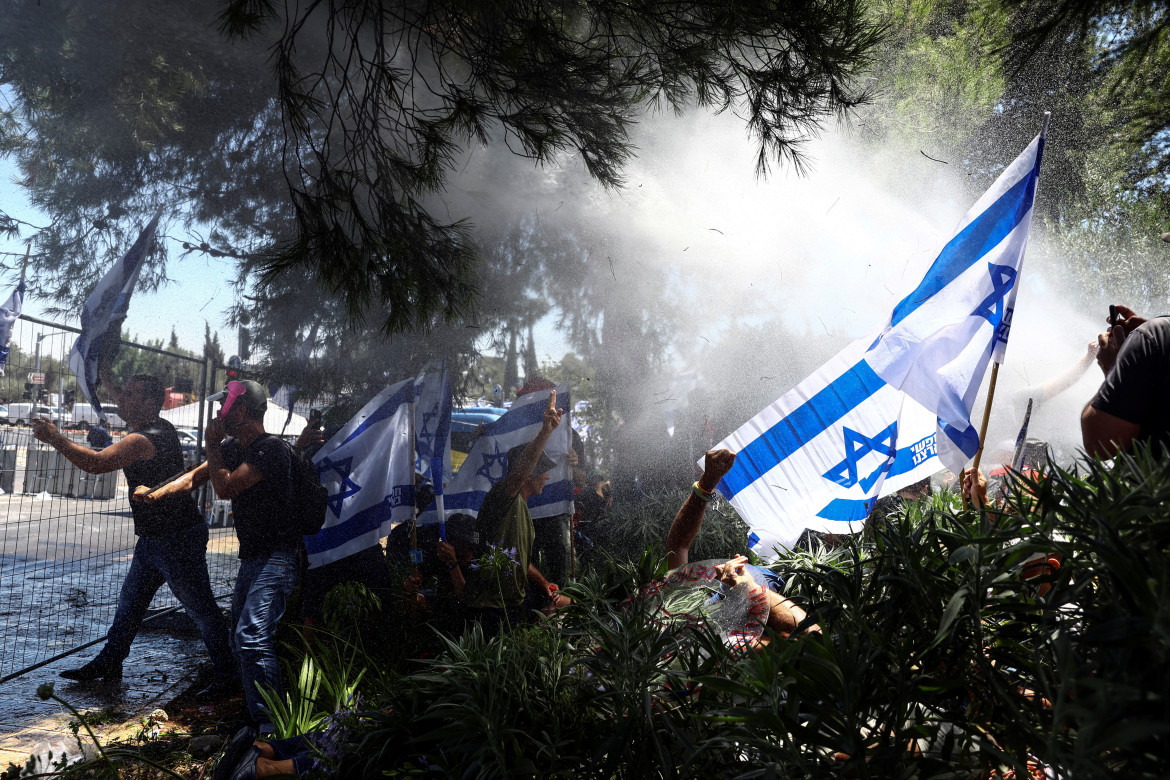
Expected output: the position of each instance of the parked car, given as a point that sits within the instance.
(85, 417)
(22, 414)
(189, 441)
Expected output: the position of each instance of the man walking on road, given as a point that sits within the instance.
(172, 535)
(254, 470)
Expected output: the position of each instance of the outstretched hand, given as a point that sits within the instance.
(716, 464)
(552, 415)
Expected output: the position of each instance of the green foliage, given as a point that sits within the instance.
(635, 526)
(312, 699)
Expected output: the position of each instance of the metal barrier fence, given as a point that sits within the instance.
(67, 537)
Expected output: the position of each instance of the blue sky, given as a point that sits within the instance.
(200, 291)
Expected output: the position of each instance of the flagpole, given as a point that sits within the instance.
(24, 265)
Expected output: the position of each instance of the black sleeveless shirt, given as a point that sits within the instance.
(173, 513)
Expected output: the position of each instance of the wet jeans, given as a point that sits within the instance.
(262, 590)
(179, 561)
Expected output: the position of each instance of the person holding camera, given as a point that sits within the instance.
(1130, 406)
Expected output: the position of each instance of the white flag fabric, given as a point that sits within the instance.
(941, 337)
(487, 462)
(368, 469)
(103, 314)
(432, 438)
(820, 456)
(9, 313)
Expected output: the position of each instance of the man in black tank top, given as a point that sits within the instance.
(172, 535)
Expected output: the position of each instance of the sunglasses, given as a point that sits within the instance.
(234, 390)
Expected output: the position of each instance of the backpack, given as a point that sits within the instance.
(310, 499)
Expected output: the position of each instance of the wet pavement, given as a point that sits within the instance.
(162, 664)
(62, 562)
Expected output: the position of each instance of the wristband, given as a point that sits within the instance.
(702, 495)
(453, 565)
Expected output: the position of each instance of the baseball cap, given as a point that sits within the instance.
(254, 396)
(543, 465)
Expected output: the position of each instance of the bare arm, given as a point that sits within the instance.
(120, 454)
(227, 484)
(689, 519)
(184, 483)
(531, 454)
(1105, 435)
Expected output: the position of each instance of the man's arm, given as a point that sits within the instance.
(130, 449)
(1104, 435)
(689, 519)
(536, 578)
(227, 484)
(185, 483)
(531, 454)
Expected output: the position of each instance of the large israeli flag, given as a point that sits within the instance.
(821, 455)
(368, 469)
(941, 337)
(432, 438)
(487, 462)
(9, 313)
(103, 314)
(879, 415)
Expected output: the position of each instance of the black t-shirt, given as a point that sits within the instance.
(1136, 388)
(264, 524)
(174, 513)
(592, 507)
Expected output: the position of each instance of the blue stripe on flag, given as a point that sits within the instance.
(553, 492)
(383, 412)
(983, 234)
(967, 441)
(806, 422)
(359, 523)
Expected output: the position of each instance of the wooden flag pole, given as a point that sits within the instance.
(982, 430)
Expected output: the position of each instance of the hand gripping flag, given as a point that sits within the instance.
(368, 469)
(432, 438)
(103, 314)
(487, 462)
(821, 455)
(9, 313)
(941, 337)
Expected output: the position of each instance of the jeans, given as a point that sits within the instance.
(262, 590)
(179, 561)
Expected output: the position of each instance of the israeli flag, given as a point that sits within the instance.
(103, 314)
(820, 456)
(879, 415)
(487, 462)
(941, 337)
(432, 438)
(368, 469)
(9, 313)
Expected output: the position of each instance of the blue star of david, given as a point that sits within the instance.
(348, 486)
(423, 441)
(857, 446)
(1003, 278)
(490, 461)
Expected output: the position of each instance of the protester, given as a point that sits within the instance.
(367, 567)
(505, 524)
(1130, 406)
(784, 617)
(552, 546)
(253, 469)
(172, 535)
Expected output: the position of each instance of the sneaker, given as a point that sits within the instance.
(94, 670)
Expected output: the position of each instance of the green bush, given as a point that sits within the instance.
(937, 658)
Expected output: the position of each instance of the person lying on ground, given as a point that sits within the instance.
(784, 617)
